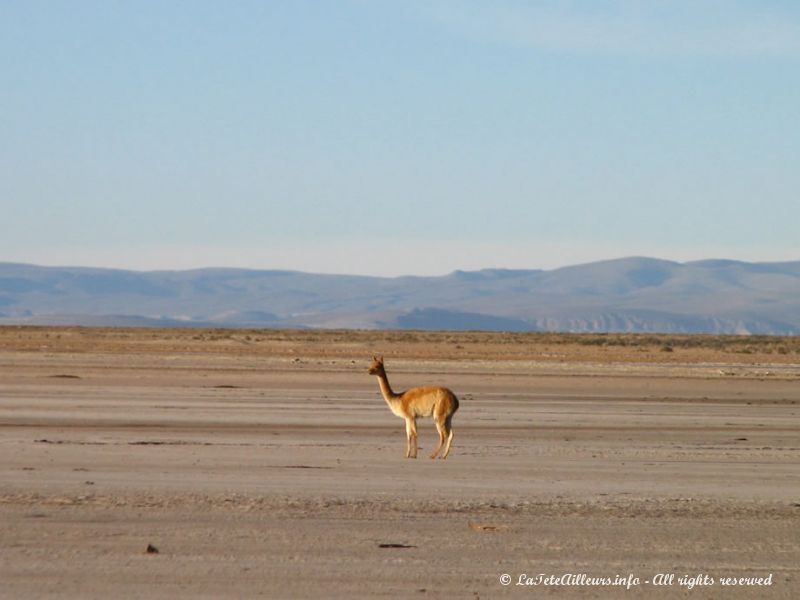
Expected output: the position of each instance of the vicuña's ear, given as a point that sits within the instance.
(381, 357)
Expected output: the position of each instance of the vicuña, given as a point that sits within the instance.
(437, 402)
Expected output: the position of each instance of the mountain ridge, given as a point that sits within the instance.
(636, 294)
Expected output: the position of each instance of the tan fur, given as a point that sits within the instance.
(437, 402)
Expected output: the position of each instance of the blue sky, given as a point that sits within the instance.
(395, 138)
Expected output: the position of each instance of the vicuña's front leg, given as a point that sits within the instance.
(411, 438)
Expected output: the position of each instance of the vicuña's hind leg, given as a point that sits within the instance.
(448, 429)
(442, 435)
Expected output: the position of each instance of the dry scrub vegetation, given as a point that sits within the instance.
(541, 347)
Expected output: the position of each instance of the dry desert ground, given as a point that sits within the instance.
(264, 464)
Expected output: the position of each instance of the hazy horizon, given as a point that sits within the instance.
(394, 138)
(212, 266)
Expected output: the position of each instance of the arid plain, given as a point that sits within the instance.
(266, 464)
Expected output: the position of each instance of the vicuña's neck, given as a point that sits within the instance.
(386, 389)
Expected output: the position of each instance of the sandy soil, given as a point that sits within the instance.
(270, 467)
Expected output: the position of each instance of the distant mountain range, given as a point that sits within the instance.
(628, 294)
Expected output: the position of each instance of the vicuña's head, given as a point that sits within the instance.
(376, 366)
